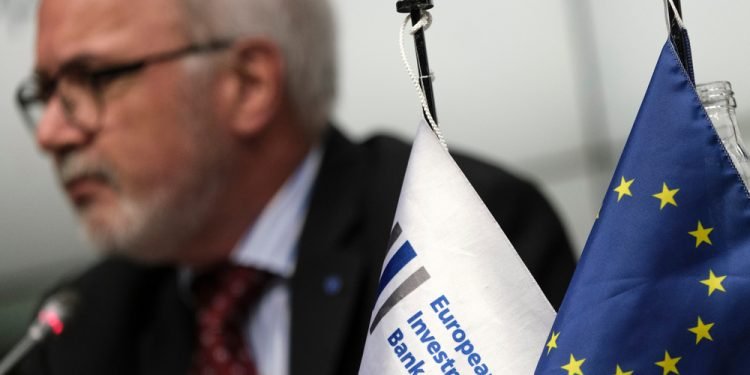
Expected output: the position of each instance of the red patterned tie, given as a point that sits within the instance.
(223, 297)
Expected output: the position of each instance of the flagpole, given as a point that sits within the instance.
(416, 8)
(676, 32)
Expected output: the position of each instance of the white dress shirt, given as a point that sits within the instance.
(271, 245)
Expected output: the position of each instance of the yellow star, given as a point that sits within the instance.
(624, 188)
(666, 196)
(620, 372)
(701, 235)
(552, 344)
(701, 331)
(574, 367)
(669, 364)
(714, 283)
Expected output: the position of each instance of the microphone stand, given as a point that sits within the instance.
(34, 335)
(52, 318)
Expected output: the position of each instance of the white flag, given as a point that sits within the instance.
(454, 296)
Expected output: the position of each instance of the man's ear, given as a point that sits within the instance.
(258, 85)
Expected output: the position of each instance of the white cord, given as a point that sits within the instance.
(676, 15)
(424, 23)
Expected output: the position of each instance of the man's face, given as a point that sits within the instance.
(145, 181)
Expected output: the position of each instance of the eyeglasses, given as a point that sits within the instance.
(81, 89)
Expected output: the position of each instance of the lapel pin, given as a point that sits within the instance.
(332, 285)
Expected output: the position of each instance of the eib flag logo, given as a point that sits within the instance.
(454, 296)
(663, 285)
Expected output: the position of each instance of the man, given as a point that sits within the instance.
(193, 134)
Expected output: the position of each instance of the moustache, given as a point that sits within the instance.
(75, 166)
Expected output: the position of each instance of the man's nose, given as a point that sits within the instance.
(55, 132)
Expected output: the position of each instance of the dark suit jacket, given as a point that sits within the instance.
(132, 319)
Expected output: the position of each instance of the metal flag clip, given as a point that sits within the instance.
(678, 34)
(673, 14)
(420, 19)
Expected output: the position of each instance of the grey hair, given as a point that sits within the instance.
(304, 31)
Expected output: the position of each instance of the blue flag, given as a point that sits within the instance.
(663, 286)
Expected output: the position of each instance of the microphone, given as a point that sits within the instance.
(51, 319)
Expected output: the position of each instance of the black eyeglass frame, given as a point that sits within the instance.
(96, 79)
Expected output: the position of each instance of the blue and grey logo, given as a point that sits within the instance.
(403, 256)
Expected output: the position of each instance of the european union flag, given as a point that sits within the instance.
(663, 286)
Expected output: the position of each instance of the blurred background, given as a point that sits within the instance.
(548, 89)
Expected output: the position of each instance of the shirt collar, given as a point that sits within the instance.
(271, 243)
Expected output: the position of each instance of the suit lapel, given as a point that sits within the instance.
(325, 287)
(170, 339)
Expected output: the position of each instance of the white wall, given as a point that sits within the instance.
(504, 89)
(548, 88)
